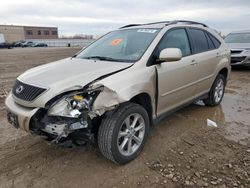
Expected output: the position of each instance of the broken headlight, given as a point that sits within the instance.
(75, 104)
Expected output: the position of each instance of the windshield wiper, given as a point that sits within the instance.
(102, 58)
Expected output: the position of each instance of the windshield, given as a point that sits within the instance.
(123, 45)
(238, 38)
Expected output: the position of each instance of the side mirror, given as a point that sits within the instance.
(170, 54)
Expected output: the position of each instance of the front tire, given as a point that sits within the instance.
(123, 132)
(216, 92)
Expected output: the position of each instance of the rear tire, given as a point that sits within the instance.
(216, 92)
(123, 132)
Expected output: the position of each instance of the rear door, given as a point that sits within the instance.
(176, 79)
(206, 56)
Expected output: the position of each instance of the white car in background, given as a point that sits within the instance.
(239, 43)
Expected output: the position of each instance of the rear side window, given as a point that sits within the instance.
(200, 43)
(176, 39)
(210, 42)
(215, 41)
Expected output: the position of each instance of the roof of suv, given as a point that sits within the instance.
(163, 24)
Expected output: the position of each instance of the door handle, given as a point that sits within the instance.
(193, 62)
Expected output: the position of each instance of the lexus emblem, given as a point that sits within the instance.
(19, 89)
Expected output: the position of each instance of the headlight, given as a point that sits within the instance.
(74, 105)
(69, 107)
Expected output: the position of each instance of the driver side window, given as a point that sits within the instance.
(176, 39)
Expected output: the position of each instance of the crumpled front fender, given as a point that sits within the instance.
(120, 88)
(106, 100)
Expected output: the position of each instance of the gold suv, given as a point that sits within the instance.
(113, 90)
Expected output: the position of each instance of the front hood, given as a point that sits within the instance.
(64, 75)
(238, 45)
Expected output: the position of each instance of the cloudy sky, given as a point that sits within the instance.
(101, 16)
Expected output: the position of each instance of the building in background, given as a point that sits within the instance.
(13, 33)
(31, 32)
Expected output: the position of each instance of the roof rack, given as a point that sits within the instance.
(167, 23)
(130, 25)
(161, 22)
(188, 22)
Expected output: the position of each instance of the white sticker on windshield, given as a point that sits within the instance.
(146, 30)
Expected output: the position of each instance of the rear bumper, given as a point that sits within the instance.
(24, 114)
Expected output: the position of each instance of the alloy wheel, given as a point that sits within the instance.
(131, 134)
(219, 90)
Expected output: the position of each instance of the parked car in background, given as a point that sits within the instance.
(41, 44)
(27, 44)
(5, 45)
(19, 44)
(239, 43)
(112, 91)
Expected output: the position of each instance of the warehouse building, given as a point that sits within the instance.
(14, 33)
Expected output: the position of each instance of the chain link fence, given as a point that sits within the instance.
(64, 42)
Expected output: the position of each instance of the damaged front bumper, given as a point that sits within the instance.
(241, 59)
(52, 128)
(58, 129)
(68, 117)
(19, 116)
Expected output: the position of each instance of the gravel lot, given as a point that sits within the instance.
(181, 151)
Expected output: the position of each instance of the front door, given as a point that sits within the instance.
(176, 79)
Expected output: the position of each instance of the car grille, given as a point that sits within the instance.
(26, 92)
(236, 51)
(237, 59)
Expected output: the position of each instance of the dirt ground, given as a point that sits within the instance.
(181, 151)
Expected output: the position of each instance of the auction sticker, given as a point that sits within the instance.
(146, 30)
(116, 42)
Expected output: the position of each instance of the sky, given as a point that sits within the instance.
(100, 16)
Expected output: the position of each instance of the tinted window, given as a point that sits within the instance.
(176, 39)
(215, 41)
(199, 40)
(210, 42)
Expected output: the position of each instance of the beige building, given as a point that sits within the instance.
(13, 33)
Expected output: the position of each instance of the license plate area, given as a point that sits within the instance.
(12, 119)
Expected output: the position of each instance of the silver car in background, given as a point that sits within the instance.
(239, 43)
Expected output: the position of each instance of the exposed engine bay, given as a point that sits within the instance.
(69, 118)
